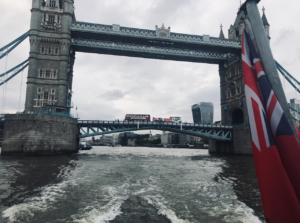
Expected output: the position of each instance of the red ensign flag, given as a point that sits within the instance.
(276, 150)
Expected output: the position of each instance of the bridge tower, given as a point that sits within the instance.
(49, 78)
(233, 101)
(51, 60)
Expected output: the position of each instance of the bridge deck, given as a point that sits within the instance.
(83, 30)
(123, 41)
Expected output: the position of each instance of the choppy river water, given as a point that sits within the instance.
(131, 185)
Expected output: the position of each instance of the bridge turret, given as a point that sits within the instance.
(221, 33)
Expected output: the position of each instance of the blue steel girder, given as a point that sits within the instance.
(12, 45)
(108, 127)
(147, 51)
(116, 33)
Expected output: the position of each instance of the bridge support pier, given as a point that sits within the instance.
(37, 134)
(240, 145)
(220, 147)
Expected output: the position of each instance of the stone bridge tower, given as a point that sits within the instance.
(51, 60)
(233, 101)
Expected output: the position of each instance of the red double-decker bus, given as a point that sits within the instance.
(137, 117)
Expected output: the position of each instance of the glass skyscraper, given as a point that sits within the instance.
(203, 113)
(196, 113)
(207, 112)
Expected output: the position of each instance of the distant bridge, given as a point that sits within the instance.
(213, 132)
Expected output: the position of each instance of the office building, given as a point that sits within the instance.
(196, 113)
(203, 113)
(207, 112)
(295, 110)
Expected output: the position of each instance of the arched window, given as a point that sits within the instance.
(237, 117)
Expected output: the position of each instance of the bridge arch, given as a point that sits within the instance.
(237, 117)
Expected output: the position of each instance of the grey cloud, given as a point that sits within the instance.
(113, 95)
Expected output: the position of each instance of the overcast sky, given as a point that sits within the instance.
(108, 87)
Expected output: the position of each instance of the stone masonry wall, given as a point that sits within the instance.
(31, 134)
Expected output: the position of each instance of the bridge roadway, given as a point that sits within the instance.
(124, 41)
(214, 132)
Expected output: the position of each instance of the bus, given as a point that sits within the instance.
(137, 117)
(171, 119)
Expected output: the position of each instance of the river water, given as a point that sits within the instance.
(123, 184)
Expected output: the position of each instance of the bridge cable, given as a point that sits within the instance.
(21, 90)
(16, 71)
(5, 86)
(288, 77)
(4, 90)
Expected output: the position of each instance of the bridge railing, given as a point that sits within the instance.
(150, 123)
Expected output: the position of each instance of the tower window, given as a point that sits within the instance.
(48, 74)
(52, 3)
(41, 74)
(58, 19)
(39, 90)
(43, 49)
(54, 74)
(51, 18)
(49, 50)
(52, 91)
(46, 95)
(39, 96)
(56, 50)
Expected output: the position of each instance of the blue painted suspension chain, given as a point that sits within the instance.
(12, 45)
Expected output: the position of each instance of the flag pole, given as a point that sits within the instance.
(267, 58)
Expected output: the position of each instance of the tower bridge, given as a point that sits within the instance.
(55, 36)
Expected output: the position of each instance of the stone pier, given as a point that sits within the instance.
(39, 134)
